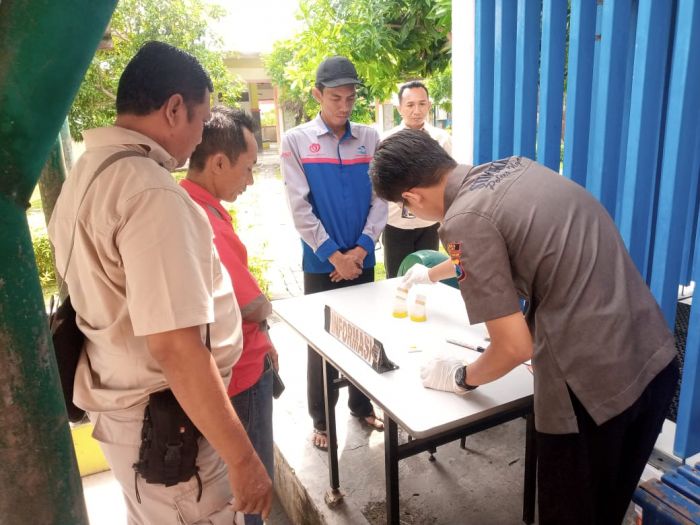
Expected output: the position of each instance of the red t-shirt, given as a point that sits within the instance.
(234, 257)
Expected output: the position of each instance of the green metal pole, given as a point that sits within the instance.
(45, 49)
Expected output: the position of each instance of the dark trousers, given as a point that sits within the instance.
(254, 409)
(359, 403)
(589, 478)
(398, 243)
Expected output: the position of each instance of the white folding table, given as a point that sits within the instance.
(430, 417)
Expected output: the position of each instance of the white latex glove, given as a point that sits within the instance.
(416, 274)
(439, 374)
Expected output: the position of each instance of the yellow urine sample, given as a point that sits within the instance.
(400, 314)
(418, 318)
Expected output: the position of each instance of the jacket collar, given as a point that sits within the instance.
(322, 128)
(204, 198)
(455, 180)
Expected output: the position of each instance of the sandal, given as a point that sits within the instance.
(372, 421)
(319, 439)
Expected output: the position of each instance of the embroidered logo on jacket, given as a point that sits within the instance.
(454, 249)
(497, 171)
(362, 150)
(315, 147)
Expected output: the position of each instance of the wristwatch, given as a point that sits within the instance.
(461, 379)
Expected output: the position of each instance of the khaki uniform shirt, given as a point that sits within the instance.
(143, 263)
(517, 229)
(395, 219)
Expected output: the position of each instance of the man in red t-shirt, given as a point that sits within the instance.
(220, 169)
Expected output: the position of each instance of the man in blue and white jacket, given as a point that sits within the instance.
(325, 166)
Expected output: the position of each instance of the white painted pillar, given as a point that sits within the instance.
(463, 30)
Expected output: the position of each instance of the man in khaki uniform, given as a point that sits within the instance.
(146, 282)
(603, 357)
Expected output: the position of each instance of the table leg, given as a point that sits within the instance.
(328, 387)
(530, 470)
(391, 470)
(431, 451)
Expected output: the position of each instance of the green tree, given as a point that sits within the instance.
(387, 40)
(440, 86)
(182, 23)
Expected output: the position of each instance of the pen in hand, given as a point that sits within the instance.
(469, 346)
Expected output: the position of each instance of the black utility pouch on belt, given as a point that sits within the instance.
(169, 443)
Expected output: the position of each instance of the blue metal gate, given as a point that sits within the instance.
(615, 107)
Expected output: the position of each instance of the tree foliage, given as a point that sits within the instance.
(440, 86)
(182, 23)
(389, 41)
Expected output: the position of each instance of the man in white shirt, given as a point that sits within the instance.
(405, 233)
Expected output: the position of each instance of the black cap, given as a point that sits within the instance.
(336, 71)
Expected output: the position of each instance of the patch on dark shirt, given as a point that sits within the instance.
(497, 171)
(454, 249)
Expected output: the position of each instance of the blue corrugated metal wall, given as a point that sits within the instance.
(617, 109)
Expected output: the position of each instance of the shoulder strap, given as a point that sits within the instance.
(105, 164)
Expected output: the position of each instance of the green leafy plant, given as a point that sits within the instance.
(182, 23)
(44, 262)
(440, 86)
(258, 267)
(178, 175)
(389, 41)
(268, 118)
(379, 271)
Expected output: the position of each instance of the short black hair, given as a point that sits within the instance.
(408, 159)
(223, 133)
(413, 84)
(157, 72)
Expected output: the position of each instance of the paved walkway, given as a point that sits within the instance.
(265, 226)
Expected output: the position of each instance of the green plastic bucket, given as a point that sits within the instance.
(427, 258)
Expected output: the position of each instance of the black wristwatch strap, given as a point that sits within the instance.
(461, 380)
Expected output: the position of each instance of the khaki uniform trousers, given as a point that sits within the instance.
(119, 435)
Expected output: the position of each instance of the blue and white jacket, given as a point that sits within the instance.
(330, 193)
